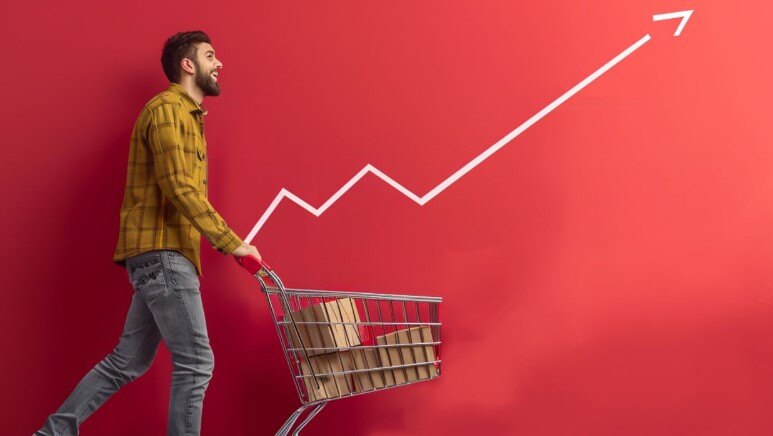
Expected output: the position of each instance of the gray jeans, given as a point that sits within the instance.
(166, 304)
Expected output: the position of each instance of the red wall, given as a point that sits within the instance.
(608, 272)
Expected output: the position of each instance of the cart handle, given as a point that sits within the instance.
(252, 264)
(260, 269)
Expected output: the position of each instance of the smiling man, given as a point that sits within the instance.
(165, 212)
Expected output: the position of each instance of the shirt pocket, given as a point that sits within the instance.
(200, 156)
(195, 153)
(200, 168)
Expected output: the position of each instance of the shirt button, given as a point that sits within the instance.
(204, 181)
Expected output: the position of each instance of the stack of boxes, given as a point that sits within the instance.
(335, 343)
(404, 355)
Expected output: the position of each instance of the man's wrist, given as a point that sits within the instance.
(232, 243)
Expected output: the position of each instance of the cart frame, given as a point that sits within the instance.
(417, 360)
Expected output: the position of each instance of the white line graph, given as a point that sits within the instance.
(284, 193)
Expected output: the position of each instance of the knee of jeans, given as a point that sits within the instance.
(120, 371)
(137, 370)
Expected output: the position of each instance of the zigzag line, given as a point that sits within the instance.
(284, 193)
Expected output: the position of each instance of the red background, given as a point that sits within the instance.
(608, 272)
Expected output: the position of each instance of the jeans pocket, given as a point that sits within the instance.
(147, 275)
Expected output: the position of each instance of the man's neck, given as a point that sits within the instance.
(193, 90)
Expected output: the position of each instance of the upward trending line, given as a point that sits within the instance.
(284, 193)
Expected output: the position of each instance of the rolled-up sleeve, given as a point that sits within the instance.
(176, 180)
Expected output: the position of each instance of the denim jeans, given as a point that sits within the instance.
(166, 305)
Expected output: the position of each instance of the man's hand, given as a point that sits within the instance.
(246, 250)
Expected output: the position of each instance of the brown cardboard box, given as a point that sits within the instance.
(366, 358)
(338, 336)
(392, 356)
(329, 386)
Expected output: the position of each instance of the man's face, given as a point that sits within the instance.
(207, 66)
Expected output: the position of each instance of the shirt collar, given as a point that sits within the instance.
(191, 105)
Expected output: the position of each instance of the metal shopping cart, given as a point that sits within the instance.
(343, 344)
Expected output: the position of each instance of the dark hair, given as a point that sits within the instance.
(178, 47)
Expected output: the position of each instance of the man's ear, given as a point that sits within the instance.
(187, 65)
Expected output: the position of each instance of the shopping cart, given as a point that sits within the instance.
(343, 344)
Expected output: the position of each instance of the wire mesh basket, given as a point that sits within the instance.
(344, 344)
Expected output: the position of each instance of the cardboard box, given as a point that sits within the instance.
(332, 336)
(329, 386)
(358, 358)
(367, 358)
(392, 356)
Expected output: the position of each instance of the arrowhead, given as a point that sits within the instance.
(684, 15)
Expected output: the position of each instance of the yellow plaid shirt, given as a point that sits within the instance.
(165, 203)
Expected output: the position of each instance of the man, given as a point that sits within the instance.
(165, 211)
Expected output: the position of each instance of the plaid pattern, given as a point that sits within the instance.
(165, 204)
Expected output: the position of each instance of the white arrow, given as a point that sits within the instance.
(684, 15)
(284, 193)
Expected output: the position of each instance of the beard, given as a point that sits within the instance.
(205, 81)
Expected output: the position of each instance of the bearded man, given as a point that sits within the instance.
(165, 212)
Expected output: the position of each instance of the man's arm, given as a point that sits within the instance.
(177, 183)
